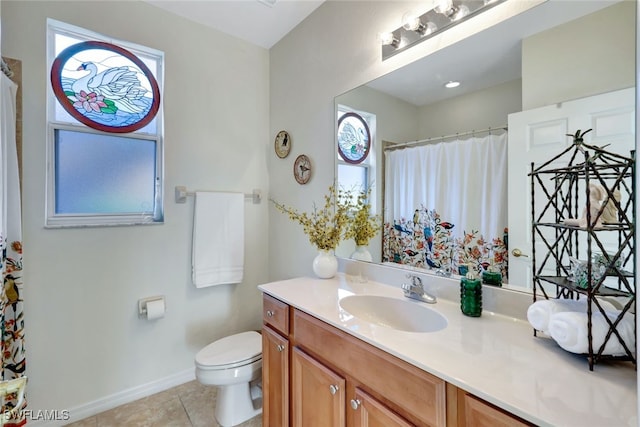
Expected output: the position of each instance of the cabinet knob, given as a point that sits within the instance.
(333, 389)
(518, 253)
(355, 404)
(270, 313)
(280, 348)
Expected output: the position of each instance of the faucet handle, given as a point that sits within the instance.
(415, 280)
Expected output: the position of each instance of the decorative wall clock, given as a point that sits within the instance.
(354, 138)
(282, 144)
(302, 169)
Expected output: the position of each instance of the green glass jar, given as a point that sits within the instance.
(493, 278)
(471, 296)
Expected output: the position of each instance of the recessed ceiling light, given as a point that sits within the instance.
(269, 3)
(451, 84)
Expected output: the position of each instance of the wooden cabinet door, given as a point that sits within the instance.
(275, 379)
(477, 413)
(369, 412)
(317, 393)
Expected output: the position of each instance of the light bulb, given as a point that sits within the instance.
(451, 84)
(462, 11)
(443, 6)
(411, 22)
(388, 39)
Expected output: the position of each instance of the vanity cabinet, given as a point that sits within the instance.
(275, 363)
(315, 375)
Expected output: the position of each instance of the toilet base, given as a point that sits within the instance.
(235, 404)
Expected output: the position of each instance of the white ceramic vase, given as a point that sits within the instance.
(362, 254)
(325, 264)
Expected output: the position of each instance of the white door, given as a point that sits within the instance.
(540, 134)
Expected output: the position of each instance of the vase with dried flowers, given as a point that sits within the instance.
(362, 226)
(324, 227)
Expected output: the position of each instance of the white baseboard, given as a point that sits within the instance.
(109, 402)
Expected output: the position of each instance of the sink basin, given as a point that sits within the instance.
(403, 315)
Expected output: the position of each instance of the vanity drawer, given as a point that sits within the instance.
(276, 314)
(403, 388)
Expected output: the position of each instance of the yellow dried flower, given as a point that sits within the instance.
(362, 225)
(324, 226)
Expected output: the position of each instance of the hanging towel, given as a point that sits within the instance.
(539, 313)
(569, 330)
(217, 256)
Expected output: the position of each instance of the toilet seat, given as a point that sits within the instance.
(231, 352)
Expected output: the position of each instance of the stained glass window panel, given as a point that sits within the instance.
(98, 174)
(104, 86)
(354, 138)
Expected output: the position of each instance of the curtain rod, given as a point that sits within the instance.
(5, 68)
(440, 138)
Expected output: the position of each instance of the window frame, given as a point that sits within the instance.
(57, 220)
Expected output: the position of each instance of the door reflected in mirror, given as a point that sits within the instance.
(439, 212)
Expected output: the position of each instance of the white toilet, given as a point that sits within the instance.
(234, 365)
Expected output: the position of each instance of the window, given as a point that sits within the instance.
(104, 145)
(356, 160)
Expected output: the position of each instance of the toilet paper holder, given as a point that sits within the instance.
(142, 305)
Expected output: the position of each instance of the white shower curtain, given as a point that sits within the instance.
(11, 302)
(464, 180)
(446, 204)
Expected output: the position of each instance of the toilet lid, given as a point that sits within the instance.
(242, 347)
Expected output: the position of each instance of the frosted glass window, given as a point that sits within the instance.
(98, 174)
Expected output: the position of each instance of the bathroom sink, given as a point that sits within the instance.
(403, 315)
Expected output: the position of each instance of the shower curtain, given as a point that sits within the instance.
(11, 303)
(446, 204)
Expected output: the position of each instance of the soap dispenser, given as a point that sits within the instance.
(471, 295)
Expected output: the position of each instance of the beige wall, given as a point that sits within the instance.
(85, 343)
(332, 51)
(591, 55)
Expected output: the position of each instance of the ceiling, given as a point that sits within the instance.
(260, 22)
(495, 52)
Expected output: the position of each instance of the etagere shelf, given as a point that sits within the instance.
(560, 193)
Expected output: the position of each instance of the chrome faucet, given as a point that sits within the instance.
(415, 290)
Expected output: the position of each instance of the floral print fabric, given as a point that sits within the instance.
(428, 241)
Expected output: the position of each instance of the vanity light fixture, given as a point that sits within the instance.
(389, 39)
(419, 27)
(451, 84)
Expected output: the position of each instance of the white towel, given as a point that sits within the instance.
(540, 311)
(217, 255)
(569, 330)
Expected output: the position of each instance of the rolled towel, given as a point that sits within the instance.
(569, 330)
(539, 312)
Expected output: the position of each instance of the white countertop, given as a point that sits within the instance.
(494, 357)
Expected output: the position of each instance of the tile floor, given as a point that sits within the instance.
(187, 405)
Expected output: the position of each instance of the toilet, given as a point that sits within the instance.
(234, 365)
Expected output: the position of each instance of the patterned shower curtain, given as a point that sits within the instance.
(445, 205)
(11, 303)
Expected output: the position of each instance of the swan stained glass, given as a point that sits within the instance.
(105, 87)
(354, 138)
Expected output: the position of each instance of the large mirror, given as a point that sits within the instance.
(554, 53)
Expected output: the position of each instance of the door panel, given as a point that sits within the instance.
(318, 394)
(536, 136)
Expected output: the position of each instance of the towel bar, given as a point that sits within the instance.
(181, 194)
